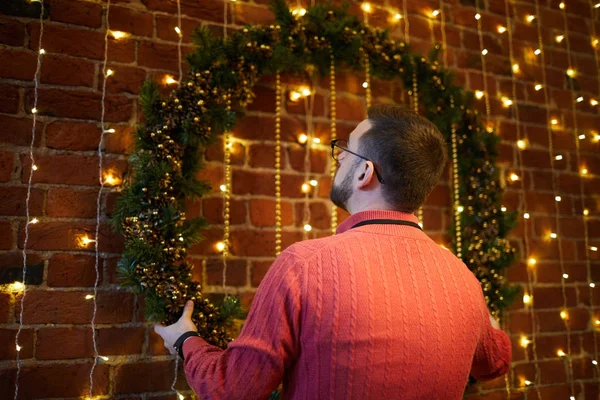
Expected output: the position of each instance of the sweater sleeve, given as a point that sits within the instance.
(253, 365)
(493, 353)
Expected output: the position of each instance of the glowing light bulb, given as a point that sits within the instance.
(365, 85)
(559, 38)
(305, 188)
(593, 102)
(592, 285)
(581, 137)
(42, 51)
(562, 5)
(313, 182)
(530, 18)
(460, 209)
(526, 216)
(111, 179)
(366, 7)
(398, 16)
(531, 261)
(593, 248)
(522, 144)
(104, 358)
(527, 299)
(503, 209)
(307, 228)
(435, 13)
(506, 102)
(19, 348)
(558, 157)
(537, 52)
(169, 80)
(477, 16)
(84, 240)
(560, 353)
(516, 68)
(34, 110)
(597, 5)
(223, 188)
(220, 246)
(595, 42)
(178, 30)
(118, 34)
(586, 212)
(501, 29)
(34, 221)
(180, 396)
(479, 94)
(484, 52)
(514, 177)
(89, 296)
(302, 138)
(16, 286)
(554, 121)
(553, 235)
(579, 99)
(111, 130)
(538, 87)
(316, 140)
(295, 96)
(565, 276)
(594, 362)
(34, 167)
(306, 92)
(564, 315)
(527, 383)
(299, 12)
(558, 198)
(584, 171)
(524, 342)
(109, 72)
(571, 72)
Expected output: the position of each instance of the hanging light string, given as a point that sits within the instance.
(367, 82)
(455, 185)
(278, 224)
(180, 40)
(333, 129)
(483, 53)
(522, 144)
(555, 235)
(306, 186)
(106, 73)
(23, 286)
(443, 29)
(582, 172)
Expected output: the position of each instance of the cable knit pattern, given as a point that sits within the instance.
(377, 311)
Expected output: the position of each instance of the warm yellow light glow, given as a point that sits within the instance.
(554, 121)
(537, 52)
(526, 215)
(435, 13)
(514, 177)
(119, 34)
(524, 342)
(501, 29)
(305, 188)
(220, 246)
(316, 140)
(527, 383)
(178, 30)
(597, 5)
(295, 96)
(562, 5)
(19, 348)
(584, 171)
(42, 51)
(597, 322)
(299, 12)
(522, 144)
(558, 157)
(34, 167)
(34, 110)
(366, 7)
(586, 212)
(109, 72)
(302, 138)
(566, 276)
(515, 68)
(595, 42)
(223, 188)
(538, 87)
(84, 240)
(477, 16)
(581, 137)
(34, 221)
(169, 80)
(593, 248)
(89, 296)
(111, 179)
(553, 235)
(560, 353)
(314, 182)
(579, 99)
(530, 18)
(503, 209)
(180, 396)
(479, 94)
(571, 72)
(564, 315)
(593, 102)
(592, 285)
(527, 299)
(484, 52)
(558, 198)
(398, 16)
(594, 362)
(531, 261)
(365, 85)
(16, 286)
(460, 209)
(307, 228)
(559, 38)
(506, 102)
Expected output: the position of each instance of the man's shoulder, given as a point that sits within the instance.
(311, 248)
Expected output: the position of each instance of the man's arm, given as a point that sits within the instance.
(253, 365)
(494, 352)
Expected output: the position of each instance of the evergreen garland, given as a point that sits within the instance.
(151, 213)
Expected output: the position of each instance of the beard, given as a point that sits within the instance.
(340, 194)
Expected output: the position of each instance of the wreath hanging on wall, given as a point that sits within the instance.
(150, 213)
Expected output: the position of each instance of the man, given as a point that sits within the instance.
(377, 311)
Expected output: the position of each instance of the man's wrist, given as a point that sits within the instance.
(181, 340)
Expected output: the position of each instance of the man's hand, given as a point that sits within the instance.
(494, 322)
(171, 333)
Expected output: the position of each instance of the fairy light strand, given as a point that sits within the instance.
(309, 103)
(524, 209)
(180, 40)
(333, 129)
(36, 81)
(106, 74)
(483, 52)
(581, 182)
(367, 77)
(457, 213)
(278, 223)
(554, 190)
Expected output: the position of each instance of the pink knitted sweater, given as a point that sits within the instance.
(374, 312)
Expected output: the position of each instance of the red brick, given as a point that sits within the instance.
(131, 21)
(18, 130)
(49, 380)
(121, 341)
(236, 272)
(12, 32)
(81, 105)
(319, 159)
(255, 183)
(253, 243)
(158, 55)
(264, 100)
(146, 377)
(122, 141)
(66, 202)
(215, 152)
(213, 175)
(71, 135)
(5, 306)
(67, 71)
(70, 169)
(56, 307)
(7, 165)
(25, 60)
(78, 13)
(10, 101)
(262, 156)
(165, 28)
(66, 40)
(121, 50)
(320, 217)
(14, 201)
(74, 343)
(73, 270)
(258, 271)
(207, 246)
(124, 80)
(156, 345)
(213, 211)
(250, 14)
(319, 107)
(207, 11)
(552, 297)
(6, 235)
(66, 236)
(9, 350)
(262, 212)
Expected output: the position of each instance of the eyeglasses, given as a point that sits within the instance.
(338, 147)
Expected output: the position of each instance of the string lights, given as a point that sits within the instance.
(21, 286)
(309, 103)
(278, 224)
(333, 131)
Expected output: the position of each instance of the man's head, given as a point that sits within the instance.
(407, 152)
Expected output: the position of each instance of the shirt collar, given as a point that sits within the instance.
(374, 214)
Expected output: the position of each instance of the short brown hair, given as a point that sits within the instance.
(410, 152)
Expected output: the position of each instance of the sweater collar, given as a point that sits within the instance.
(374, 214)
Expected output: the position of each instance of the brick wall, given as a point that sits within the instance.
(57, 340)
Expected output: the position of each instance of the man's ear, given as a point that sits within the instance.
(366, 174)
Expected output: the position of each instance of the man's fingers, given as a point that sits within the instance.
(158, 329)
(188, 310)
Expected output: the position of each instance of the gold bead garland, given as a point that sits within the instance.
(367, 77)
(457, 210)
(278, 163)
(333, 129)
(227, 198)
